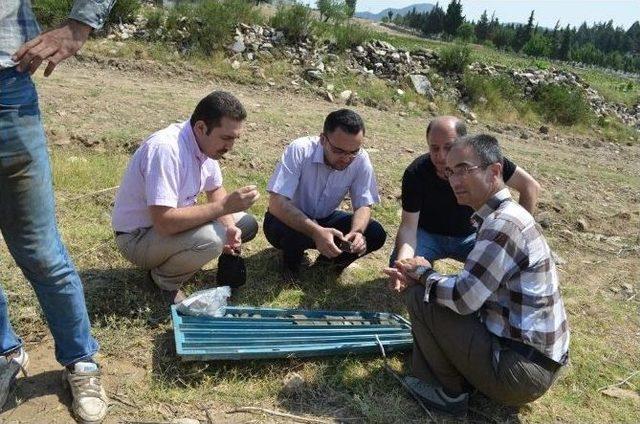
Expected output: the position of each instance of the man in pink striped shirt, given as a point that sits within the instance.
(157, 222)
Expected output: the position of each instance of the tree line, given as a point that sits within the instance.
(601, 44)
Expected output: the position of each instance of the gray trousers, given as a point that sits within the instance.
(173, 259)
(455, 350)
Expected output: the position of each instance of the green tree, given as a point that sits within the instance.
(466, 32)
(538, 45)
(482, 27)
(350, 7)
(332, 9)
(453, 18)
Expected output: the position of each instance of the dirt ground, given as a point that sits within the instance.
(591, 202)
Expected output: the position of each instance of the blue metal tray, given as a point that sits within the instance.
(260, 333)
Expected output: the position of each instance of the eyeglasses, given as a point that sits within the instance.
(461, 171)
(342, 152)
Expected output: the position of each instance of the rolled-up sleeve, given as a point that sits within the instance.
(91, 12)
(212, 175)
(286, 176)
(364, 190)
(161, 182)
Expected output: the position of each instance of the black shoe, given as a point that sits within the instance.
(232, 271)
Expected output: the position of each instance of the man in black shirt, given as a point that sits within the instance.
(433, 224)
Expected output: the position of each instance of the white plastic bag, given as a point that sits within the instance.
(209, 303)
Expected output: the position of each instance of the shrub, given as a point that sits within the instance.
(455, 58)
(561, 105)
(202, 27)
(345, 36)
(499, 92)
(51, 13)
(294, 20)
(124, 11)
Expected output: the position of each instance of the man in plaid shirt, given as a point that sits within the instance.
(498, 326)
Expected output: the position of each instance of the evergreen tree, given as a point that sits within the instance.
(350, 6)
(453, 18)
(565, 44)
(482, 27)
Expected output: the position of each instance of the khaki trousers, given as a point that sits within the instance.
(455, 350)
(173, 259)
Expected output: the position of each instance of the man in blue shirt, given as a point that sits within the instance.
(27, 209)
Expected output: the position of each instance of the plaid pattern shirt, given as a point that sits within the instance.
(18, 23)
(509, 278)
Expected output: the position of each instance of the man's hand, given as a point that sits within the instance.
(358, 242)
(240, 200)
(324, 240)
(55, 46)
(413, 267)
(398, 282)
(406, 273)
(234, 240)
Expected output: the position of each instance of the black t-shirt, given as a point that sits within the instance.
(423, 191)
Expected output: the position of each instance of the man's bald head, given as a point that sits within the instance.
(447, 123)
(441, 133)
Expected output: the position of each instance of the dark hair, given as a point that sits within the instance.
(215, 106)
(461, 128)
(345, 119)
(485, 146)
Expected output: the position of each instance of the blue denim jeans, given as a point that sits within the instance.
(436, 246)
(28, 224)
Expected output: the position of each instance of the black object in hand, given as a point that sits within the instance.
(345, 246)
(231, 271)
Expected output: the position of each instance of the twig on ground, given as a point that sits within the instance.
(402, 383)
(94, 248)
(256, 410)
(633, 296)
(620, 383)
(122, 400)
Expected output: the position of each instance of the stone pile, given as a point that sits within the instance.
(529, 79)
(385, 61)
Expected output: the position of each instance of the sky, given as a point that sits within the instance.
(547, 12)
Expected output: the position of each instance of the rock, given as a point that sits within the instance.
(544, 129)
(432, 107)
(482, 100)
(545, 222)
(582, 225)
(422, 85)
(353, 99)
(235, 64)
(184, 421)
(238, 46)
(400, 92)
(312, 75)
(345, 95)
(524, 135)
(328, 96)
(293, 383)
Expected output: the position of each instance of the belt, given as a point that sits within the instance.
(532, 354)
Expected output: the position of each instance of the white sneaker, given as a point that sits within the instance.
(90, 401)
(10, 366)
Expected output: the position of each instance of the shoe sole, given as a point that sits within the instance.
(427, 403)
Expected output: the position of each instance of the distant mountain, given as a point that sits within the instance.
(420, 8)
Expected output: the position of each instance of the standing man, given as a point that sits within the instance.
(500, 324)
(308, 184)
(433, 224)
(27, 209)
(157, 222)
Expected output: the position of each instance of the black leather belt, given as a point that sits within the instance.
(532, 354)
